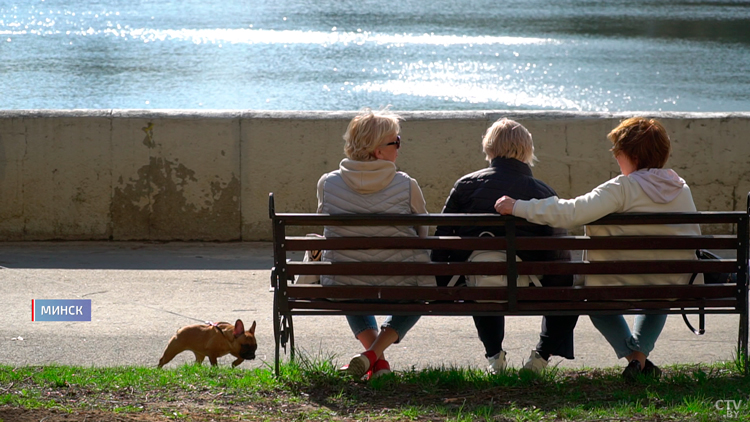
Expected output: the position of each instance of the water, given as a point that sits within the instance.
(586, 55)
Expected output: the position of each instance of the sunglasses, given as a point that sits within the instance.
(397, 142)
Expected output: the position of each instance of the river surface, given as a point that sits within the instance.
(579, 55)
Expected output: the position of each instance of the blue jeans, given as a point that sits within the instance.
(401, 324)
(646, 329)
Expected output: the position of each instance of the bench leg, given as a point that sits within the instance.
(276, 337)
(290, 331)
(742, 340)
(283, 332)
(279, 333)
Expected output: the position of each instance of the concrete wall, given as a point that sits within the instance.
(184, 175)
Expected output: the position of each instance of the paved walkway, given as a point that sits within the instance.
(143, 292)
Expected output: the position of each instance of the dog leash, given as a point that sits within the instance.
(215, 325)
(170, 312)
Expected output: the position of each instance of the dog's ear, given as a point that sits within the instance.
(239, 328)
(252, 329)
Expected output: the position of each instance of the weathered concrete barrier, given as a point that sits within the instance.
(197, 175)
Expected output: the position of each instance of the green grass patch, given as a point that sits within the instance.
(312, 389)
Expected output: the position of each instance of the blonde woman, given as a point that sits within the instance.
(367, 181)
(509, 150)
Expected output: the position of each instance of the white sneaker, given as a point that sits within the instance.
(496, 363)
(536, 363)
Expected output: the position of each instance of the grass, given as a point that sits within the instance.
(312, 389)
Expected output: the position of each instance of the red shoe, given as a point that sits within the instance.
(360, 364)
(380, 368)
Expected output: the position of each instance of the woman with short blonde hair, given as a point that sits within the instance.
(508, 139)
(367, 181)
(510, 151)
(367, 131)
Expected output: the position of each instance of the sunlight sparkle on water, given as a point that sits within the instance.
(261, 36)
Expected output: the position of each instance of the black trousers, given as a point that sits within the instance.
(556, 337)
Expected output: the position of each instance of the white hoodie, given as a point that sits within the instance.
(652, 190)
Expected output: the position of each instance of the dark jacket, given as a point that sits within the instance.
(477, 193)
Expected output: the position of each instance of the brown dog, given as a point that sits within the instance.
(214, 341)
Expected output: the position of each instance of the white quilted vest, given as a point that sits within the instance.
(339, 198)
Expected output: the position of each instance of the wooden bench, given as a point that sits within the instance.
(294, 299)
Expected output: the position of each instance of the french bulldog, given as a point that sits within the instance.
(213, 340)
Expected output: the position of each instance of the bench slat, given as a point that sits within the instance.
(627, 292)
(524, 294)
(294, 243)
(538, 308)
(528, 267)
(299, 219)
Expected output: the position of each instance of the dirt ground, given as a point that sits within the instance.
(8, 414)
(46, 415)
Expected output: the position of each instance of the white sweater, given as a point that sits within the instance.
(653, 190)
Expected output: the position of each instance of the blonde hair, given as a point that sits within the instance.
(367, 131)
(508, 139)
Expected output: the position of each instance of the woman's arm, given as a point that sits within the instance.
(567, 213)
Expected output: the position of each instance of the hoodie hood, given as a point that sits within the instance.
(661, 185)
(366, 177)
